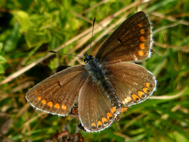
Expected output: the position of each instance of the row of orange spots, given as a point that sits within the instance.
(140, 94)
(142, 39)
(99, 124)
(50, 103)
(141, 45)
(104, 119)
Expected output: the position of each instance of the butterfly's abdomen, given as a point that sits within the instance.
(98, 76)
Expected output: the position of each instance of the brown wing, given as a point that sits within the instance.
(132, 83)
(57, 93)
(131, 41)
(95, 109)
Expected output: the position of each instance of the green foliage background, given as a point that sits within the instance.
(31, 28)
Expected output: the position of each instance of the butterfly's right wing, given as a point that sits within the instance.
(132, 83)
(131, 41)
(57, 93)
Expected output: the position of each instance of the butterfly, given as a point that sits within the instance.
(106, 83)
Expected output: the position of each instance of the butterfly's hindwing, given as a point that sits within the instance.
(132, 83)
(95, 110)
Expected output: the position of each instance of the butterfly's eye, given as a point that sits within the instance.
(88, 58)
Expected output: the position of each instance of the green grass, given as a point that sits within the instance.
(30, 29)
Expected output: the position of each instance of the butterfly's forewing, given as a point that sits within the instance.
(132, 83)
(131, 41)
(57, 93)
(95, 109)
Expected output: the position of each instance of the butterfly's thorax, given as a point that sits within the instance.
(95, 71)
(98, 75)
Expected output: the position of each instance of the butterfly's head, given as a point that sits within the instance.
(87, 57)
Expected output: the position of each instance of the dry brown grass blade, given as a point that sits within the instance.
(181, 48)
(168, 97)
(170, 18)
(165, 27)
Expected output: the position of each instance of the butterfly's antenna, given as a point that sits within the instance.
(92, 33)
(66, 54)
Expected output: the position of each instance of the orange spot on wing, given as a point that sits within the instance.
(104, 120)
(142, 31)
(141, 46)
(99, 124)
(39, 98)
(142, 39)
(147, 84)
(140, 25)
(145, 90)
(113, 110)
(109, 115)
(140, 53)
(135, 97)
(57, 106)
(93, 124)
(50, 104)
(64, 107)
(140, 93)
(43, 102)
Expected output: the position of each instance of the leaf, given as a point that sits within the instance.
(2, 59)
(12, 41)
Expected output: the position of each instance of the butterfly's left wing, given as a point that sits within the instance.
(95, 109)
(131, 41)
(132, 83)
(58, 93)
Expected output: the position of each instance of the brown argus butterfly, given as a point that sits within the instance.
(106, 83)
